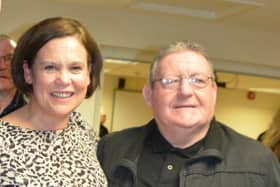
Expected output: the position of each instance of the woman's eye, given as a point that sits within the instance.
(76, 69)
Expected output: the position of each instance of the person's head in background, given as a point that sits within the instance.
(102, 118)
(271, 138)
(7, 47)
(56, 64)
(102, 128)
(182, 92)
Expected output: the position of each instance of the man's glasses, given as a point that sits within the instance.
(6, 58)
(174, 82)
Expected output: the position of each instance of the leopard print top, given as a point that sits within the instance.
(50, 158)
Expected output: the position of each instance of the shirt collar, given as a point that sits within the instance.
(160, 145)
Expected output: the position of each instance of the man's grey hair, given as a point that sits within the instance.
(7, 37)
(176, 47)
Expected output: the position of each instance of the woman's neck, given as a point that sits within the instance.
(28, 117)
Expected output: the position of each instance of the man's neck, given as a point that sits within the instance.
(184, 137)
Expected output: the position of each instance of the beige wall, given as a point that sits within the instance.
(249, 117)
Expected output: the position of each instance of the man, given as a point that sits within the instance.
(184, 145)
(10, 99)
(102, 129)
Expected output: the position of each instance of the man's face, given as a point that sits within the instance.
(102, 118)
(6, 52)
(184, 106)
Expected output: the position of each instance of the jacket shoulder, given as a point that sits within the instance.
(120, 137)
(244, 148)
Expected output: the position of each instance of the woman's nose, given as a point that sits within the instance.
(64, 77)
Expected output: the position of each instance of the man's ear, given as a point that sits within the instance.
(147, 94)
(27, 73)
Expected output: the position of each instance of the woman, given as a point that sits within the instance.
(56, 64)
(271, 137)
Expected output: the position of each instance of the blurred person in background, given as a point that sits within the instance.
(10, 98)
(103, 129)
(271, 137)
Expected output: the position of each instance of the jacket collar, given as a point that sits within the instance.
(129, 161)
(213, 147)
(213, 143)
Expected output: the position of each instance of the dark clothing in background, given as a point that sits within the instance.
(260, 137)
(103, 130)
(225, 159)
(17, 102)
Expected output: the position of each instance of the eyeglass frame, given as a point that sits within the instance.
(6, 58)
(171, 80)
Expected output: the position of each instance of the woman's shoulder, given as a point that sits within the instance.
(82, 126)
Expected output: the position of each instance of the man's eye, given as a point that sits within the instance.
(169, 81)
(8, 57)
(199, 80)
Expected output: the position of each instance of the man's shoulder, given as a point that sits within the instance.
(120, 144)
(123, 135)
(234, 136)
(243, 146)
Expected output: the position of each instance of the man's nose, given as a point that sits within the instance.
(3, 63)
(185, 87)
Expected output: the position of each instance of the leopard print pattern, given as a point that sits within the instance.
(50, 158)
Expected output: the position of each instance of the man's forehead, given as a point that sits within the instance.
(6, 48)
(6, 43)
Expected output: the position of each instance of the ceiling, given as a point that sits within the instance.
(260, 15)
(241, 36)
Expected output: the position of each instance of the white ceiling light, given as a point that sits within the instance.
(119, 61)
(248, 2)
(266, 90)
(198, 9)
(207, 14)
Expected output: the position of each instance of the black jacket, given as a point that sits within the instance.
(228, 160)
(17, 102)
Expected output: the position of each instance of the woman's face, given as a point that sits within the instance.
(59, 76)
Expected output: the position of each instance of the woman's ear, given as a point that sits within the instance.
(147, 94)
(27, 73)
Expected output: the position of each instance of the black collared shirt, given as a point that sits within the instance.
(17, 102)
(160, 163)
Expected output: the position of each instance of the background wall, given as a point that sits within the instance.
(129, 109)
(249, 117)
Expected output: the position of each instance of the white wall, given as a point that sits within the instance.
(249, 117)
(90, 108)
